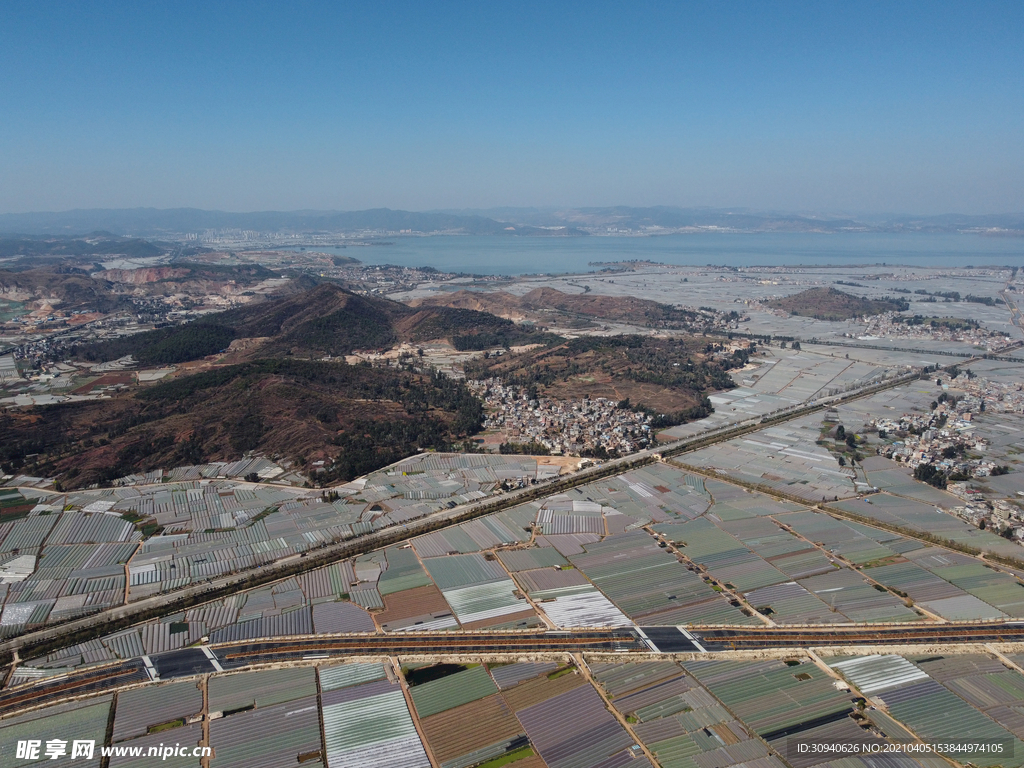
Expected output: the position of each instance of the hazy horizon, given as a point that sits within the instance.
(797, 106)
(497, 211)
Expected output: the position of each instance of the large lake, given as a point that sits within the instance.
(498, 255)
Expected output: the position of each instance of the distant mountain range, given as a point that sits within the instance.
(173, 223)
(740, 219)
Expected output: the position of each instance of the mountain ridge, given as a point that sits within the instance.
(324, 321)
(557, 222)
(158, 222)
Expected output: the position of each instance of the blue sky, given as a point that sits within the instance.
(863, 107)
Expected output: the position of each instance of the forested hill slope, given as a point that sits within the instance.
(354, 417)
(668, 377)
(833, 304)
(279, 397)
(326, 320)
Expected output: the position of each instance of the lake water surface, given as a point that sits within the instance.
(498, 255)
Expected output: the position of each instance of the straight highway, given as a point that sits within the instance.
(638, 642)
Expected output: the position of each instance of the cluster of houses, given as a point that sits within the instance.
(572, 427)
(894, 325)
(940, 438)
(945, 437)
(1000, 516)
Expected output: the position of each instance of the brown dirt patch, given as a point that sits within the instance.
(408, 603)
(107, 380)
(85, 318)
(490, 719)
(541, 689)
(497, 303)
(567, 463)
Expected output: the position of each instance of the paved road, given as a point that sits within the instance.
(183, 663)
(434, 643)
(675, 640)
(207, 659)
(626, 642)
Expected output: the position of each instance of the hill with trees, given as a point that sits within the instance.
(324, 321)
(833, 304)
(355, 418)
(667, 377)
(539, 304)
(287, 395)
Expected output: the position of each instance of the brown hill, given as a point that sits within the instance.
(667, 376)
(273, 399)
(497, 303)
(355, 417)
(326, 320)
(67, 288)
(627, 309)
(141, 276)
(188, 278)
(623, 308)
(832, 304)
(106, 290)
